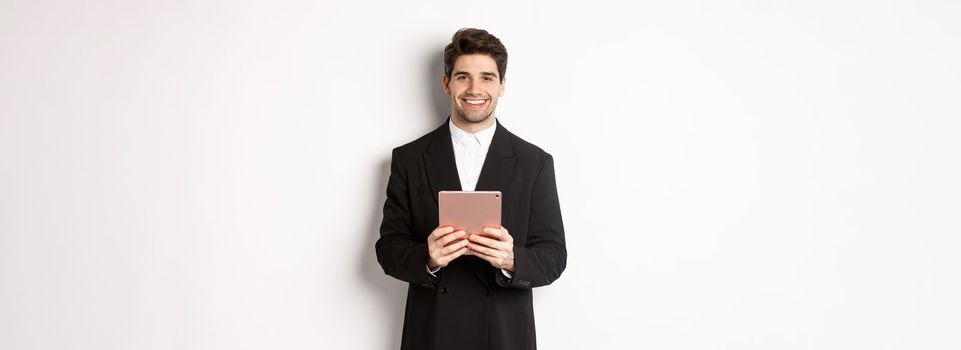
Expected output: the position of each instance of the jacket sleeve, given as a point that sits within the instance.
(543, 257)
(398, 253)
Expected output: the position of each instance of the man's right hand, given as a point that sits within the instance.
(440, 251)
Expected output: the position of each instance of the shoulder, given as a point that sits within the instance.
(527, 151)
(419, 145)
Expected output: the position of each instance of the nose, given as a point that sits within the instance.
(471, 87)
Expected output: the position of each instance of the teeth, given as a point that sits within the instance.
(475, 102)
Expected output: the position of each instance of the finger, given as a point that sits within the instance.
(492, 260)
(450, 237)
(494, 253)
(458, 253)
(440, 232)
(498, 233)
(453, 247)
(492, 231)
(485, 240)
(447, 259)
(481, 240)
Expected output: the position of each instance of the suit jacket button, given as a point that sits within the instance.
(444, 291)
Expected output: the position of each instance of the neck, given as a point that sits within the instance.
(472, 128)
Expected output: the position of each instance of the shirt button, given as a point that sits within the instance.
(444, 291)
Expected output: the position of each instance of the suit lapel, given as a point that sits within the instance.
(442, 167)
(499, 163)
(439, 161)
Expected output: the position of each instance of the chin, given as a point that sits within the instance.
(475, 119)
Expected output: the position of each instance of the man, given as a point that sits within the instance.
(482, 300)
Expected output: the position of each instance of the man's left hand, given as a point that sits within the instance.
(495, 245)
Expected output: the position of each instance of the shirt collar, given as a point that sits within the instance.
(484, 136)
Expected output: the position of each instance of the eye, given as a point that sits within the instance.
(488, 78)
(461, 77)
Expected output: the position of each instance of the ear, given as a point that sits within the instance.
(446, 82)
(503, 82)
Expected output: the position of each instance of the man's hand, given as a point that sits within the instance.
(440, 251)
(495, 245)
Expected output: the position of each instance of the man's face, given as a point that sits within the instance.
(474, 86)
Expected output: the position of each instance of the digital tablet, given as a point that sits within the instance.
(470, 211)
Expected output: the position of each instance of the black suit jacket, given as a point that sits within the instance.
(471, 304)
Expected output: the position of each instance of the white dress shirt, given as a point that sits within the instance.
(470, 150)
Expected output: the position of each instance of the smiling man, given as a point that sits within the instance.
(482, 300)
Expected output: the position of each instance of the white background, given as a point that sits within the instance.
(746, 175)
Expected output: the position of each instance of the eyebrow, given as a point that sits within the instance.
(490, 74)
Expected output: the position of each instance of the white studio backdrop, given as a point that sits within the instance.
(736, 175)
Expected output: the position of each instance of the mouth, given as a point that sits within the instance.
(475, 103)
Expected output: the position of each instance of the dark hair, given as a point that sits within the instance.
(469, 41)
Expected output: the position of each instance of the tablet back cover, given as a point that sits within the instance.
(470, 210)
